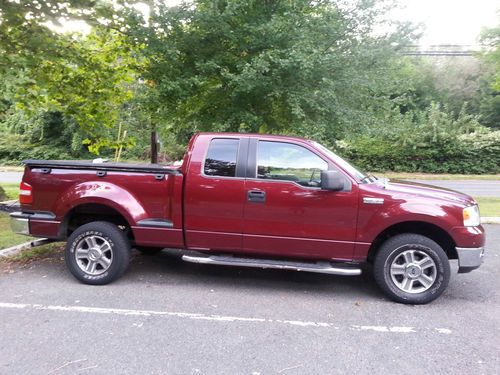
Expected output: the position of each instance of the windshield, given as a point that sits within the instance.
(349, 168)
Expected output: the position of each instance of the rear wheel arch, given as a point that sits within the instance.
(432, 231)
(89, 212)
(115, 202)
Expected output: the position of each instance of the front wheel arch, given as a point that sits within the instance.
(432, 231)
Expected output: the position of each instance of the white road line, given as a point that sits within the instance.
(216, 318)
(384, 329)
(14, 305)
(445, 331)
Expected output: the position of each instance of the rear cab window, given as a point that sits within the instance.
(222, 156)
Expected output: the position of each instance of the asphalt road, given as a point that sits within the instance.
(165, 316)
(476, 188)
(11, 177)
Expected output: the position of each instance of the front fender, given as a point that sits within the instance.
(373, 221)
(101, 192)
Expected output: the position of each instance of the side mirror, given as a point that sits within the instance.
(331, 180)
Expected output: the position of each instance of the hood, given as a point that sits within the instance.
(426, 191)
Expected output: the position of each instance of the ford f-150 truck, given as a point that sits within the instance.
(253, 200)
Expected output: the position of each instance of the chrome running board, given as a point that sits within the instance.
(317, 267)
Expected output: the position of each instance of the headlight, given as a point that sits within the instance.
(471, 216)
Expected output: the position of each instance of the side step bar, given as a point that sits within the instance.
(317, 267)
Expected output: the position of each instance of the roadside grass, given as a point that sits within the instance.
(11, 190)
(39, 252)
(489, 206)
(432, 176)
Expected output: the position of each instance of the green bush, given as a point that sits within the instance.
(14, 149)
(431, 142)
(45, 135)
(471, 154)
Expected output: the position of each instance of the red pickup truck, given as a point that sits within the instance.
(253, 200)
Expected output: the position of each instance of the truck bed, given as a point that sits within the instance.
(145, 197)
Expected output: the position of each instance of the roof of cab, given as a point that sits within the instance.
(252, 135)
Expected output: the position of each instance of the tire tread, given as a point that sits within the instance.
(121, 252)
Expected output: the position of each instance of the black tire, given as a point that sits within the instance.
(393, 251)
(148, 250)
(105, 235)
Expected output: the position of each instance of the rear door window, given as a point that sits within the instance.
(221, 158)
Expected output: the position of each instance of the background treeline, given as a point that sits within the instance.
(332, 71)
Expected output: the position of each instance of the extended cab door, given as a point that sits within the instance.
(286, 212)
(214, 193)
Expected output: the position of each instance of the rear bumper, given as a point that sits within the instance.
(37, 224)
(19, 225)
(469, 258)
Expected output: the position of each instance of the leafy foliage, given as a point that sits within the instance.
(46, 135)
(90, 86)
(310, 68)
(432, 142)
(490, 80)
(86, 79)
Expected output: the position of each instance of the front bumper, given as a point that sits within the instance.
(469, 258)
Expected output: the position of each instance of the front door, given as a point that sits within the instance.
(287, 213)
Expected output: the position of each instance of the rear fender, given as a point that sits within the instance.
(104, 193)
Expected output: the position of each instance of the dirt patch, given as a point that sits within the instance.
(53, 252)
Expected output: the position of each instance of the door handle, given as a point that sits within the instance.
(256, 196)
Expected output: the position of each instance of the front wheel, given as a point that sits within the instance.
(97, 253)
(412, 269)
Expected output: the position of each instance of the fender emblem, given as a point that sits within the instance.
(373, 200)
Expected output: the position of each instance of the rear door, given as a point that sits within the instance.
(214, 193)
(286, 212)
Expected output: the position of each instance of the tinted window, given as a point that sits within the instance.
(221, 157)
(289, 162)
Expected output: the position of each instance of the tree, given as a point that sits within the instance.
(26, 39)
(490, 79)
(85, 78)
(305, 67)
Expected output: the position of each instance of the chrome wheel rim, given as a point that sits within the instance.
(413, 271)
(94, 255)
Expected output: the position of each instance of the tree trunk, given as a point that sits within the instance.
(154, 147)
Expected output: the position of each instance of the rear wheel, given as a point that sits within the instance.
(97, 253)
(411, 268)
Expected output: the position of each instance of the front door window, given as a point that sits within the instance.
(289, 162)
